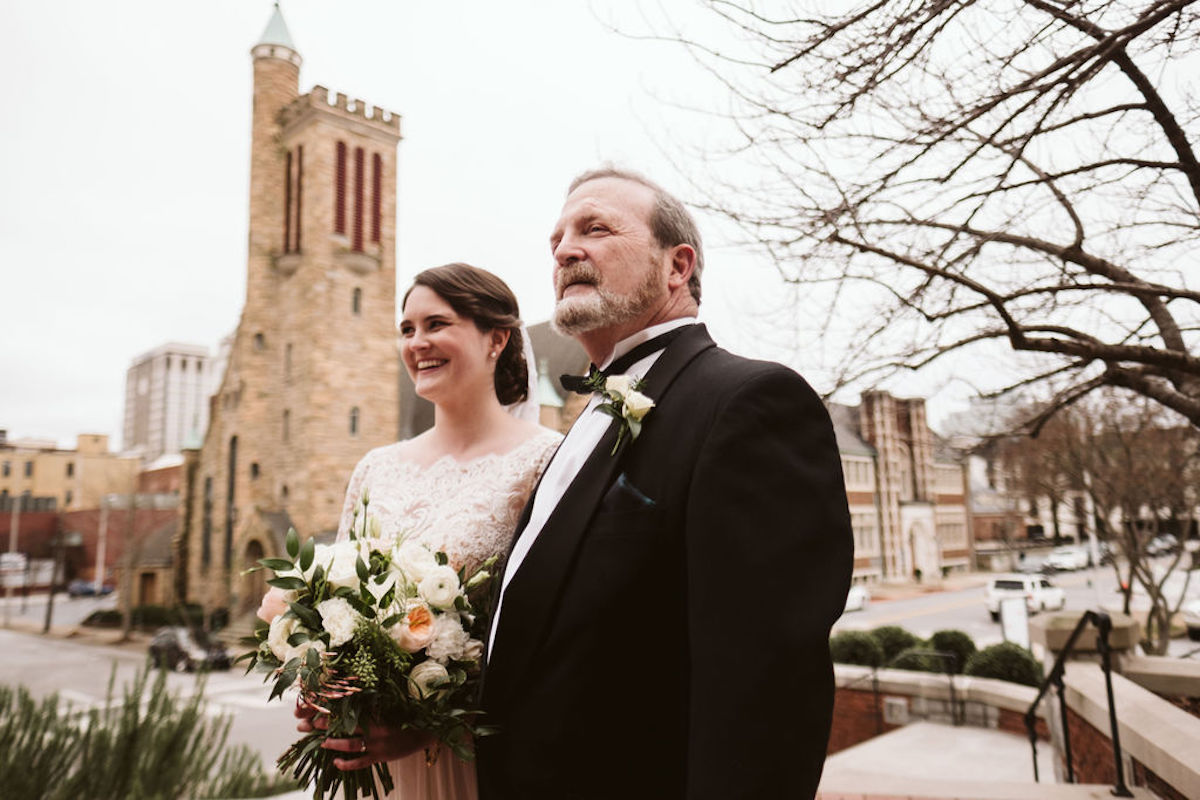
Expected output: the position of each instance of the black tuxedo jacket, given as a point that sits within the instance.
(667, 634)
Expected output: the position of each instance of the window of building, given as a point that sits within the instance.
(7, 469)
(28, 469)
(376, 196)
(354, 421)
(206, 525)
(356, 301)
(356, 242)
(287, 424)
(68, 498)
(183, 364)
(284, 492)
(287, 360)
(254, 470)
(70, 469)
(339, 190)
(260, 342)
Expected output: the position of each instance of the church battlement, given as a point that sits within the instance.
(318, 100)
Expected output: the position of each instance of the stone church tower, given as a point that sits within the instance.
(311, 381)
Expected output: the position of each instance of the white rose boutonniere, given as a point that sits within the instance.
(624, 402)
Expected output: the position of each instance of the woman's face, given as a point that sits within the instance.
(445, 354)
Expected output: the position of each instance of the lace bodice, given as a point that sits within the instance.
(468, 509)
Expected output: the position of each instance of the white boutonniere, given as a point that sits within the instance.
(624, 402)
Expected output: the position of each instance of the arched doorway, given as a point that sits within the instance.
(926, 554)
(253, 584)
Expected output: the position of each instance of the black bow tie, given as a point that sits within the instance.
(583, 384)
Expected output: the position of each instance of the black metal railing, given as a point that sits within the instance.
(1103, 625)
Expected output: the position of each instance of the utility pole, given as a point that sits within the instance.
(57, 544)
(101, 546)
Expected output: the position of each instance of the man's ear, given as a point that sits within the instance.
(683, 264)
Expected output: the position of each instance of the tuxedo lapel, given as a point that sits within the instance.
(534, 590)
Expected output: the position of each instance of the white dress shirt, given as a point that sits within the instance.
(579, 443)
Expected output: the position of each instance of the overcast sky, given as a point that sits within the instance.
(125, 154)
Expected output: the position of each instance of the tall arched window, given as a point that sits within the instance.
(356, 301)
(339, 190)
(354, 421)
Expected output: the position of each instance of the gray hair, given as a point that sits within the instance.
(670, 221)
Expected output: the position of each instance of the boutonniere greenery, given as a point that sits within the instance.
(624, 402)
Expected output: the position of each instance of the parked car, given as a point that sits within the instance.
(1162, 545)
(183, 650)
(1039, 593)
(1068, 559)
(1191, 618)
(82, 588)
(857, 598)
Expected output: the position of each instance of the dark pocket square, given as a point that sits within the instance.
(624, 496)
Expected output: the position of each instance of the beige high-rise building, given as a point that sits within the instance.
(311, 381)
(166, 399)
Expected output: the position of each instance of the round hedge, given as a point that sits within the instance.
(914, 659)
(894, 640)
(1007, 662)
(955, 642)
(855, 647)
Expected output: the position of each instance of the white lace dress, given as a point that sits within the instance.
(468, 510)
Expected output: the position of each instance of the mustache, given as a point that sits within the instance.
(578, 272)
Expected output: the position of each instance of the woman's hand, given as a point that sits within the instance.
(379, 742)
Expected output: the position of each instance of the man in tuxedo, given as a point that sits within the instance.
(663, 623)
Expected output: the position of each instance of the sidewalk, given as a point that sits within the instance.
(883, 592)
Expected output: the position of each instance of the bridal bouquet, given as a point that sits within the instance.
(370, 632)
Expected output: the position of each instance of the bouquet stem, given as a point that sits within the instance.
(312, 765)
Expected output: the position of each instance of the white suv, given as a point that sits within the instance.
(1039, 593)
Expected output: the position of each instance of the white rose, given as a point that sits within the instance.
(636, 405)
(425, 678)
(618, 384)
(281, 628)
(449, 639)
(340, 562)
(339, 619)
(414, 560)
(439, 587)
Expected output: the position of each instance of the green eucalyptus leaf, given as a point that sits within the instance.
(307, 550)
(277, 564)
(308, 617)
(290, 582)
(360, 567)
(292, 543)
(441, 558)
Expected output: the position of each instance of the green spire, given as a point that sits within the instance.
(277, 31)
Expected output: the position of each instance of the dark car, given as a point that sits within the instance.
(82, 588)
(183, 650)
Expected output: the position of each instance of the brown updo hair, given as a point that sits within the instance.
(483, 298)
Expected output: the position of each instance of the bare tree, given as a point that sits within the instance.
(1021, 173)
(1141, 468)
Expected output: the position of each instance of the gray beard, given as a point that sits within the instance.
(605, 309)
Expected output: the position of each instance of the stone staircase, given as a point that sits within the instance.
(931, 761)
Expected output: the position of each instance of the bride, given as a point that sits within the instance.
(460, 486)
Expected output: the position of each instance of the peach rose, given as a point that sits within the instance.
(415, 631)
(274, 603)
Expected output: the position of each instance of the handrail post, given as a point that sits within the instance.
(1104, 627)
(1031, 730)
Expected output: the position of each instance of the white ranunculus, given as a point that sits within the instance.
(636, 405)
(339, 619)
(618, 384)
(473, 651)
(281, 628)
(425, 678)
(340, 561)
(449, 639)
(440, 587)
(415, 560)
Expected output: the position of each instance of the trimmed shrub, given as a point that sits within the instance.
(1007, 662)
(103, 618)
(893, 640)
(956, 642)
(855, 647)
(913, 659)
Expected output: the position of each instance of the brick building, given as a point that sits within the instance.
(310, 384)
(42, 477)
